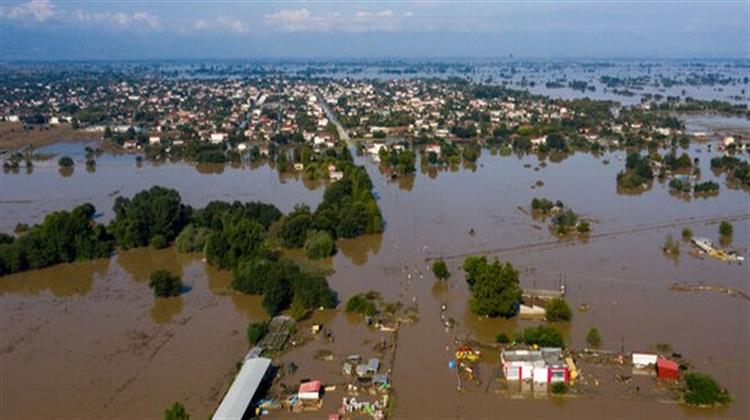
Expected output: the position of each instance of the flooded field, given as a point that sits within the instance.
(92, 339)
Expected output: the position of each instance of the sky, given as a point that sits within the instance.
(215, 29)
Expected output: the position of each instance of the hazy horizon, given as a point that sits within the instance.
(52, 30)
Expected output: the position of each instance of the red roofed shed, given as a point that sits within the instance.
(667, 369)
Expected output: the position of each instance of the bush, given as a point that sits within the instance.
(65, 162)
(726, 229)
(583, 227)
(671, 246)
(502, 338)
(703, 390)
(542, 336)
(165, 284)
(559, 388)
(687, 234)
(440, 270)
(593, 337)
(192, 239)
(176, 412)
(256, 331)
(363, 303)
(159, 241)
(319, 244)
(558, 310)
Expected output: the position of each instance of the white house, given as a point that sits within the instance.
(432, 148)
(154, 140)
(641, 360)
(537, 141)
(217, 138)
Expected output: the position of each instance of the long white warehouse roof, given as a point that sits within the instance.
(243, 389)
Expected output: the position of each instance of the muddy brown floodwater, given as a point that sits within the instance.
(89, 339)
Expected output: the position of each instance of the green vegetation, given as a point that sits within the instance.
(583, 227)
(319, 244)
(543, 205)
(157, 211)
(176, 412)
(192, 239)
(671, 246)
(402, 160)
(687, 234)
(703, 390)
(558, 310)
(282, 281)
(593, 338)
(363, 303)
(256, 331)
(159, 241)
(559, 388)
(637, 172)
(726, 229)
(542, 336)
(706, 187)
(63, 237)
(735, 168)
(65, 162)
(494, 287)
(502, 338)
(440, 270)
(165, 284)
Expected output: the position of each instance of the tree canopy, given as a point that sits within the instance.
(494, 287)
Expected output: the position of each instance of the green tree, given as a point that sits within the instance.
(593, 337)
(542, 336)
(494, 287)
(176, 412)
(319, 244)
(558, 310)
(192, 239)
(157, 211)
(256, 331)
(294, 226)
(440, 269)
(65, 162)
(703, 390)
(726, 229)
(165, 284)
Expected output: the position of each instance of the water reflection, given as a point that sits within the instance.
(358, 249)
(141, 262)
(64, 280)
(165, 309)
(66, 172)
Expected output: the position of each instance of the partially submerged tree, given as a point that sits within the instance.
(165, 284)
(440, 269)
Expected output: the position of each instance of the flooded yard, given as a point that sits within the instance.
(92, 339)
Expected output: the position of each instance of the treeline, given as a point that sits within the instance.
(734, 167)
(242, 237)
(63, 237)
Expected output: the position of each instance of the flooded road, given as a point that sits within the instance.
(91, 337)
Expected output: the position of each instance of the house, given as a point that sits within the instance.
(242, 147)
(432, 148)
(667, 369)
(130, 144)
(538, 141)
(336, 176)
(642, 360)
(728, 141)
(217, 138)
(544, 366)
(309, 390)
(299, 166)
(154, 140)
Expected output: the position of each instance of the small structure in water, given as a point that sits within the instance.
(708, 247)
(244, 388)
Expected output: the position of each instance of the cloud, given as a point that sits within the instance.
(200, 25)
(300, 20)
(137, 20)
(232, 25)
(146, 18)
(38, 10)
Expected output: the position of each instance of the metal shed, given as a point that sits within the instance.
(243, 389)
